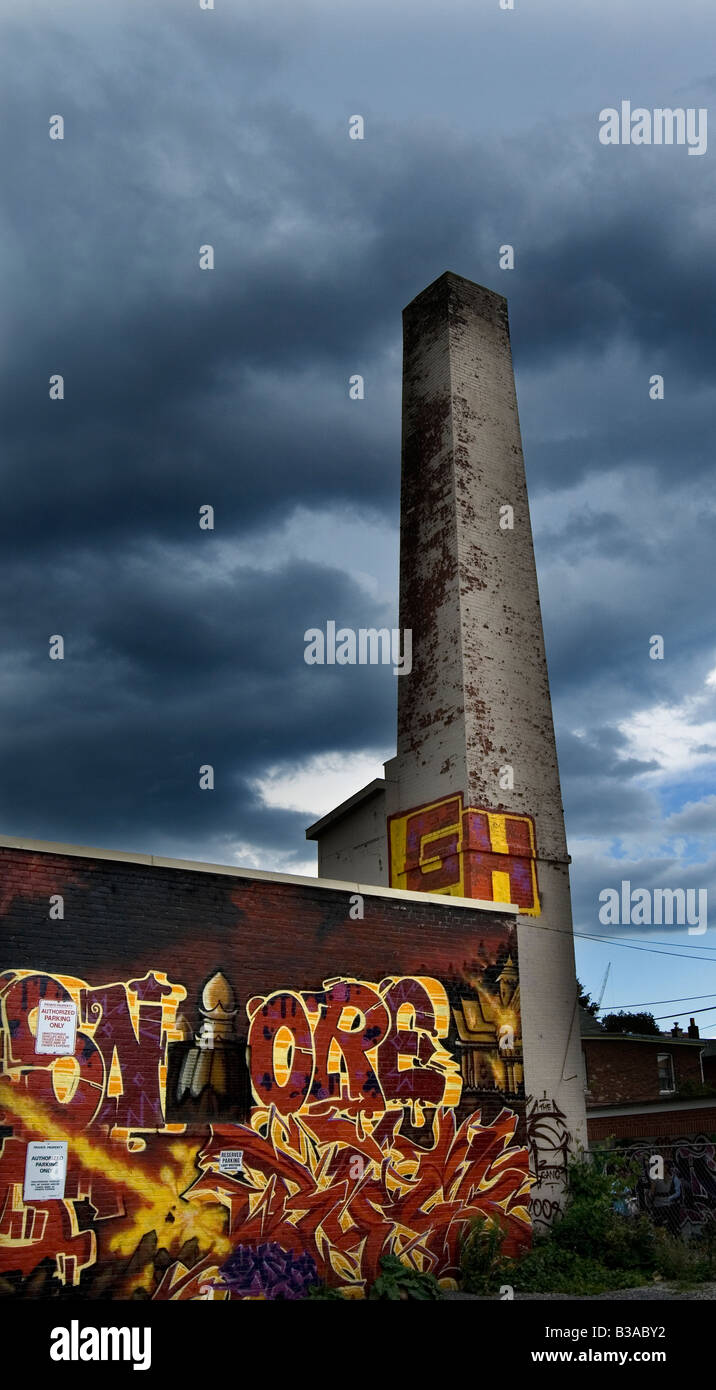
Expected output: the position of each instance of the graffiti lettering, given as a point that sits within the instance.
(115, 1075)
(354, 1046)
(342, 1101)
(549, 1142)
(281, 1044)
(353, 1023)
(544, 1209)
(445, 847)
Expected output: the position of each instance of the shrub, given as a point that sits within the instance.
(593, 1247)
(551, 1268)
(591, 1227)
(397, 1281)
(482, 1264)
(687, 1089)
(324, 1291)
(685, 1262)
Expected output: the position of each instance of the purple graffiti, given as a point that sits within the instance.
(269, 1271)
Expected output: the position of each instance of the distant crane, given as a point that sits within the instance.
(604, 985)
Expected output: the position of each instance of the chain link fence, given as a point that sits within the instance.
(673, 1182)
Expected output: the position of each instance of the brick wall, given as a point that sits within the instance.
(221, 1012)
(619, 1070)
(660, 1124)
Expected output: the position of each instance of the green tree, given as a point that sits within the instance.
(631, 1023)
(585, 1000)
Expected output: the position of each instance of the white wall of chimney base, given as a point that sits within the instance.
(551, 1037)
(356, 846)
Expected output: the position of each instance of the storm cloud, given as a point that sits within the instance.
(184, 388)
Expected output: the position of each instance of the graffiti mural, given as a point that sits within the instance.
(342, 1101)
(262, 1091)
(344, 1194)
(445, 847)
(693, 1159)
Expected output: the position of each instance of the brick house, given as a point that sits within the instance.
(708, 1062)
(639, 1086)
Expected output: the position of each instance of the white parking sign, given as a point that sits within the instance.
(45, 1170)
(56, 1027)
(231, 1161)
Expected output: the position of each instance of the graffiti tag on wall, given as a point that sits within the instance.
(549, 1142)
(445, 847)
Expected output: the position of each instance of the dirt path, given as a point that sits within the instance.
(645, 1293)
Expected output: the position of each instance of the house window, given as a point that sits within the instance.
(665, 1063)
(586, 1070)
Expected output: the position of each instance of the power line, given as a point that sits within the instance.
(682, 999)
(685, 1014)
(629, 945)
(700, 946)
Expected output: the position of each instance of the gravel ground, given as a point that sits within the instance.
(647, 1293)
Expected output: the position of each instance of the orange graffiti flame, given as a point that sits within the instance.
(158, 1199)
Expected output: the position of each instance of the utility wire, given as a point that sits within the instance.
(685, 1014)
(646, 1003)
(617, 941)
(629, 945)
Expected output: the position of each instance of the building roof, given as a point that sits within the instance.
(588, 1024)
(660, 1038)
(665, 1104)
(590, 1027)
(374, 788)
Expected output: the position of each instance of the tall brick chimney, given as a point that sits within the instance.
(477, 699)
(472, 798)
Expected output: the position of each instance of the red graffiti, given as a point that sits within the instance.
(114, 1074)
(446, 847)
(440, 854)
(281, 1019)
(139, 1051)
(352, 1046)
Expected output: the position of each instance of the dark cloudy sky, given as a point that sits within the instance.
(184, 647)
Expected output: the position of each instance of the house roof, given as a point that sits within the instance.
(591, 1028)
(374, 788)
(588, 1024)
(660, 1038)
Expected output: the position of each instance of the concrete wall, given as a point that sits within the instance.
(359, 1049)
(355, 845)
